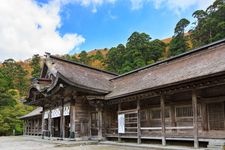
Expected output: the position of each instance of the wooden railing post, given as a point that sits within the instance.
(195, 118)
(72, 120)
(119, 109)
(50, 123)
(43, 122)
(100, 123)
(138, 123)
(62, 121)
(162, 104)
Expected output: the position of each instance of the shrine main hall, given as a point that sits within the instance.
(181, 98)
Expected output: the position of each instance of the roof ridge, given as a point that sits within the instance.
(171, 58)
(80, 64)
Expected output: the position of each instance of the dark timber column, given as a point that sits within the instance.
(72, 119)
(99, 109)
(173, 121)
(24, 127)
(162, 104)
(138, 123)
(28, 124)
(119, 109)
(195, 118)
(43, 123)
(204, 117)
(50, 123)
(62, 121)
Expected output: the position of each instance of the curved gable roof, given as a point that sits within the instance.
(80, 75)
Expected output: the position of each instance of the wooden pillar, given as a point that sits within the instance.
(138, 123)
(162, 104)
(28, 125)
(43, 123)
(37, 125)
(204, 117)
(24, 127)
(119, 109)
(100, 122)
(72, 119)
(195, 118)
(173, 120)
(32, 127)
(50, 123)
(62, 120)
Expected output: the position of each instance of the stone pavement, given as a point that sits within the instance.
(36, 143)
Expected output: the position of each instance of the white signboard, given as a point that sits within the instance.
(55, 113)
(66, 111)
(46, 114)
(121, 123)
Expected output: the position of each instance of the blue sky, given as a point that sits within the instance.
(69, 26)
(114, 23)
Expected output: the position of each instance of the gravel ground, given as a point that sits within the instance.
(30, 143)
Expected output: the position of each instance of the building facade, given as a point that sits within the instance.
(181, 98)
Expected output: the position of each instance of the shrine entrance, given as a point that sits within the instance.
(94, 123)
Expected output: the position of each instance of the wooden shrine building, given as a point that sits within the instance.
(180, 98)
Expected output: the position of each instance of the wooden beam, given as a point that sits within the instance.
(195, 118)
(204, 117)
(138, 123)
(173, 120)
(62, 120)
(24, 127)
(50, 123)
(162, 104)
(119, 109)
(43, 122)
(72, 119)
(99, 123)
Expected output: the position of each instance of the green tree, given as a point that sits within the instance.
(157, 48)
(99, 55)
(70, 57)
(115, 58)
(139, 51)
(36, 67)
(138, 48)
(179, 43)
(83, 58)
(15, 76)
(210, 24)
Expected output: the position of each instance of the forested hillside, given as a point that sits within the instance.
(139, 50)
(15, 78)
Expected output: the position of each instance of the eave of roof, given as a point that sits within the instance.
(170, 59)
(35, 112)
(191, 66)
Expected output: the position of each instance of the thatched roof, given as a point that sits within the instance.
(79, 75)
(204, 61)
(194, 65)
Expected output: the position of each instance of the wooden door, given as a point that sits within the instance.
(56, 127)
(94, 123)
(216, 116)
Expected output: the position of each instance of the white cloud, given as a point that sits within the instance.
(174, 5)
(93, 3)
(28, 28)
(137, 4)
(181, 5)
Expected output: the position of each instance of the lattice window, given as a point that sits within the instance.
(216, 116)
(186, 111)
(143, 115)
(156, 113)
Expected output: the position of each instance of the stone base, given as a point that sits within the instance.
(216, 145)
